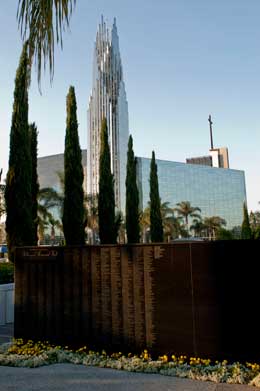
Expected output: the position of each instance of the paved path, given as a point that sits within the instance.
(68, 377)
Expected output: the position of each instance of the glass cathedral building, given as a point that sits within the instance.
(216, 191)
(108, 100)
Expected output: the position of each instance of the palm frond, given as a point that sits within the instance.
(42, 22)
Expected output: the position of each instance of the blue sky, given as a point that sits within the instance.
(182, 60)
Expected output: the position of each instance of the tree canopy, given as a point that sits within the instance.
(73, 207)
(18, 190)
(246, 232)
(132, 197)
(156, 227)
(106, 195)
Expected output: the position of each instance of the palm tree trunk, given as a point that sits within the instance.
(187, 224)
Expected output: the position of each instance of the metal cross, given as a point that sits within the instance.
(210, 127)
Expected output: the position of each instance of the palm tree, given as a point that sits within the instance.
(198, 227)
(42, 226)
(42, 23)
(224, 234)
(50, 198)
(246, 231)
(2, 200)
(91, 216)
(145, 223)
(212, 225)
(254, 219)
(166, 210)
(120, 227)
(50, 202)
(185, 210)
(2, 233)
(54, 223)
(172, 227)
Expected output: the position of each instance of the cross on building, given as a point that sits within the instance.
(210, 128)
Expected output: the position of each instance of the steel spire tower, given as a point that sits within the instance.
(108, 99)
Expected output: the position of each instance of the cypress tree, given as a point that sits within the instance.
(73, 207)
(132, 197)
(33, 134)
(156, 228)
(106, 196)
(246, 232)
(19, 225)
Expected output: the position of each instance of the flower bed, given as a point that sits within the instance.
(34, 354)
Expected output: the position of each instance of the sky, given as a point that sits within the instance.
(182, 60)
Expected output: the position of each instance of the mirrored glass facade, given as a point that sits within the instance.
(108, 99)
(217, 191)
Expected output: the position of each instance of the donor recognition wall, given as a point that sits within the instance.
(193, 298)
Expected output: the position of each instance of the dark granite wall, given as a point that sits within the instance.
(199, 299)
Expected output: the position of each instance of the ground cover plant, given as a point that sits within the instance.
(31, 354)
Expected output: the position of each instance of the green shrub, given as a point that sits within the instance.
(6, 273)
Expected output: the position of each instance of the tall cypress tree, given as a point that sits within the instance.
(132, 197)
(73, 208)
(106, 196)
(156, 228)
(246, 232)
(19, 226)
(33, 134)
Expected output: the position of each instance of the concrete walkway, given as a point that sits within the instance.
(68, 377)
